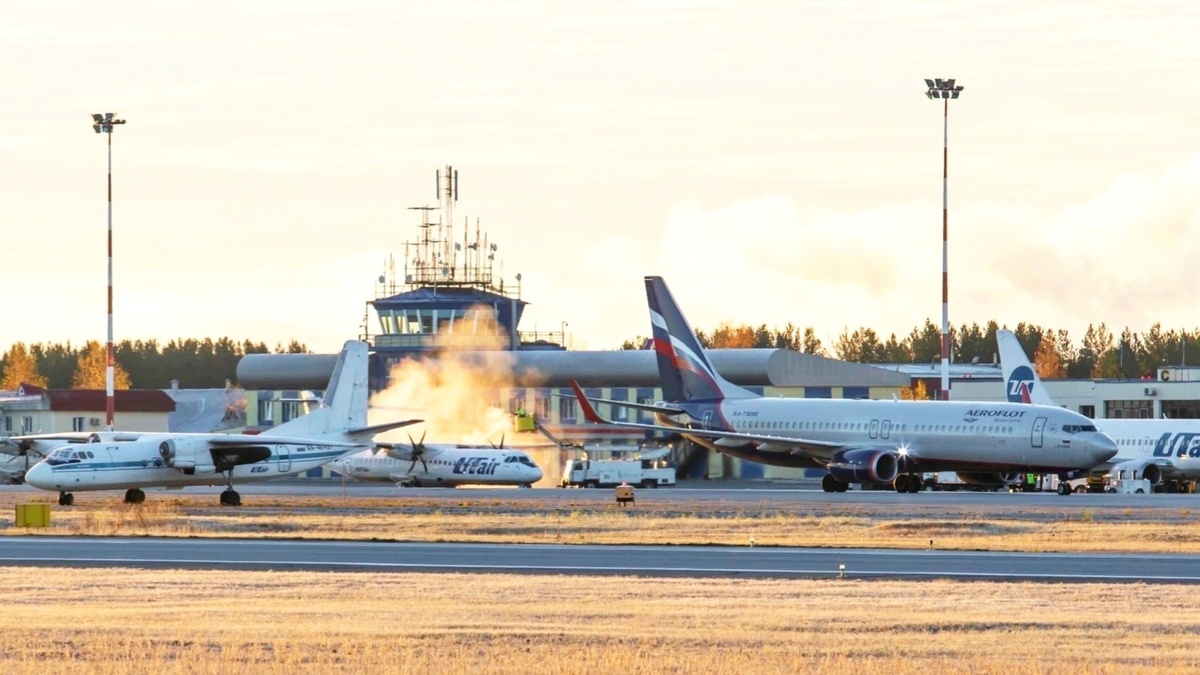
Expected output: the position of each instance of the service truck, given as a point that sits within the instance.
(591, 473)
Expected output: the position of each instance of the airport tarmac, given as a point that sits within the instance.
(687, 561)
(757, 492)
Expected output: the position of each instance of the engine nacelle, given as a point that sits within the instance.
(987, 478)
(189, 455)
(865, 466)
(1137, 468)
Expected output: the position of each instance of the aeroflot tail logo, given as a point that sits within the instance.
(1020, 384)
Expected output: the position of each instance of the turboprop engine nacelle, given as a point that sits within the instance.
(191, 456)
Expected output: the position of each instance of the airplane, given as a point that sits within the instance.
(857, 441)
(132, 461)
(1163, 451)
(441, 465)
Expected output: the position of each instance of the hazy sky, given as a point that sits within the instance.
(775, 161)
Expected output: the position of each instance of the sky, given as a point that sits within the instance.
(776, 162)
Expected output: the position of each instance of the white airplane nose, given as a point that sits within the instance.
(40, 476)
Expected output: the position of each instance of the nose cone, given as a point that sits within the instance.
(40, 476)
(1103, 448)
(535, 474)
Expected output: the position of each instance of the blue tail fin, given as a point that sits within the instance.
(683, 368)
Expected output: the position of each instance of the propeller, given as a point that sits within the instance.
(495, 446)
(418, 453)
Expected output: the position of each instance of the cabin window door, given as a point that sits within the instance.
(285, 458)
(1039, 428)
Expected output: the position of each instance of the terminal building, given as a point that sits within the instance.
(1174, 393)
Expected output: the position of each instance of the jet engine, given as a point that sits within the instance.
(1143, 468)
(988, 479)
(189, 455)
(864, 465)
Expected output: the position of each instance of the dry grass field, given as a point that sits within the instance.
(570, 517)
(122, 621)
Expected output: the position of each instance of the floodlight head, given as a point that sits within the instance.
(108, 117)
(929, 83)
(950, 83)
(96, 127)
(928, 94)
(97, 117)
(954, 94)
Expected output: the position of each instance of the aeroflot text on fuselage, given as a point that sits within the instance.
(995, 413)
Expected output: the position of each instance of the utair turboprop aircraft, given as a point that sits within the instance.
(1163, 451)
(137, 461)
(858, 441)
(440, 465)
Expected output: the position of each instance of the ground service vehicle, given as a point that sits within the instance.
(591, 473)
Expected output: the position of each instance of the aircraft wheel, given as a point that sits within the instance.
(1064, 488)
(66, 499)
(231, 498)
(134, 496)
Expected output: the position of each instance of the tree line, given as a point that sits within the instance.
(1100, 354)
(139, 364)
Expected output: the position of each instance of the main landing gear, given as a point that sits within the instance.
(908, 482)
(134, 496)
(831, 484)
(230, 497)
(66, 499)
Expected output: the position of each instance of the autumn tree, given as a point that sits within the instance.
(91, 370)
(20, 367)
(1047, 360)
(917, 392)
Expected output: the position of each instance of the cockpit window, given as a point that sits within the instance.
(526, 461)
(1078, 428)
(63, 456)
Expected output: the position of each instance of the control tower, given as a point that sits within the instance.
(449, 293)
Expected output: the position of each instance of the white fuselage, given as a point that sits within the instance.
(81, 467)
(935, 434)
(443, 468)
(1167, 442)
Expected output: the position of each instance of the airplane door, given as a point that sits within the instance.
(873, 430)
(885, 429)
(1039, 428)
(285, 458)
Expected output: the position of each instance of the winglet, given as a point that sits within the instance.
(589, 413)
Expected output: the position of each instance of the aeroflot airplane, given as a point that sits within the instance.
(1161, 451)
(132, 461)
(880, 442)
(440, 466)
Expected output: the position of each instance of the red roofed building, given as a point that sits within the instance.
(36, 410)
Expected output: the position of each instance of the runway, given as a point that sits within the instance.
(756, 492)
(664, 561)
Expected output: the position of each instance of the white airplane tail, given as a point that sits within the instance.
(1022, 384)
(344, 408)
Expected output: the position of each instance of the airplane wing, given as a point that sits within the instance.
(15, 445)
(380, 428)
(766, 442)
(648, 407)
(235, 440)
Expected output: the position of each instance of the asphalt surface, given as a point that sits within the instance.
(736, 491)
(687, 561)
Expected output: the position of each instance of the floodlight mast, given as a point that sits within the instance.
(945, 90)
(104, 124)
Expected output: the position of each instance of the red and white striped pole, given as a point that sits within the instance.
(105, 124)
(945, 90)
